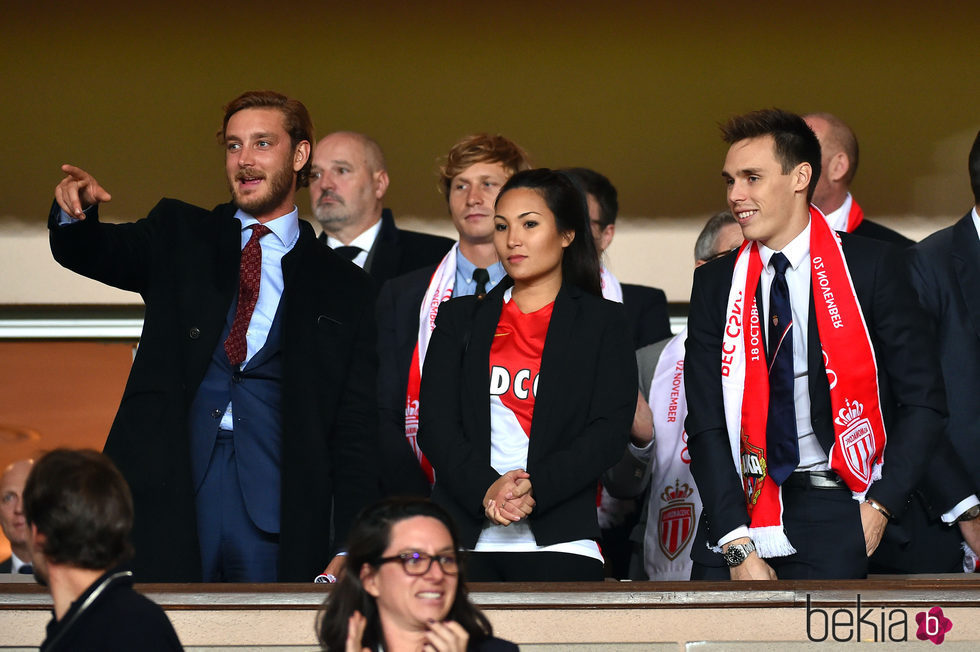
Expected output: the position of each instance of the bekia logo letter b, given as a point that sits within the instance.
(933, 625)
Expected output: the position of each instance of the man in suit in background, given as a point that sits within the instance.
(649, 321)
(945, 269)
(348, 182)
(839, 163)
(247, 429)
(646, 307)
(474, 171)
(657, 464)
(12, 520)
(778, 451)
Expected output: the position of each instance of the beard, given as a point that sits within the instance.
(280, 184)
(331, 216)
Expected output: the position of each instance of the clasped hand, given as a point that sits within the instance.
(509, 499)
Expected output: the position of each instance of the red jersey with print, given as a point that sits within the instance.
(515, 361)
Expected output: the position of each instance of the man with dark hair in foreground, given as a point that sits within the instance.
(79, 511)
(800, 349)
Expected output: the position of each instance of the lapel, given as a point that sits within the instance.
(297, 277)
(476, 356)
(382, 261)
(557, 366)
(216, 299)
(966, 264)
(207, 295)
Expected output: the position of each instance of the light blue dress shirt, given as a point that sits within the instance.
(465, 285)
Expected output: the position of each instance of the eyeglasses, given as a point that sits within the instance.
(419, 563)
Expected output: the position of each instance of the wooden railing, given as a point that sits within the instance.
(606, 616)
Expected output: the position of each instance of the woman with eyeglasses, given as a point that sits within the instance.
(528, 394)
(403, 587)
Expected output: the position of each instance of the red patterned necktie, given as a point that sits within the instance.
(249, 277)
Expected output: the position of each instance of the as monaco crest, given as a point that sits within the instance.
(676, 526)
(858, 440)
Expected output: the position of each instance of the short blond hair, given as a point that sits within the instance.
(482, 148)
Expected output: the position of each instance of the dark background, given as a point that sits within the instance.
(133, 91)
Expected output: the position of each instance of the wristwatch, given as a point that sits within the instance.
(738, 552)
(969, 514)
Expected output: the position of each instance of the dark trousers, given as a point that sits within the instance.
(532, 567)
(824, 525)
(233, 549)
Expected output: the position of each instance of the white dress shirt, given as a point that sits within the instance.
(365, 242)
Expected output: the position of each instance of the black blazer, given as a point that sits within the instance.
(6, 565)
(184, 260)
(646, 311)
(396, 251)
(875, 231)
(397, 311)
(945, 269)
(913, 402)
(583, 411)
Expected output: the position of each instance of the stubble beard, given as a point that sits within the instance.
(332, 217)
(280, 184)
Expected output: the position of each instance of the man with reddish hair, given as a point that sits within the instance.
(248, 421)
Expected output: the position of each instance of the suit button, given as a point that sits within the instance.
(194, 332)
(237, 377)
(216, 414)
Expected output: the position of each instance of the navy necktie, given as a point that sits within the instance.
(782, 445)
(482, 277)
(26, 569)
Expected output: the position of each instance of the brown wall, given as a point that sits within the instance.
(58, 394)
(133, 91)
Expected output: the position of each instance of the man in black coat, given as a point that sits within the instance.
(646, 307)
(945, 269)
(80, 512)
(832, 195)
(771, 167)
(348, 182)
(248, 424)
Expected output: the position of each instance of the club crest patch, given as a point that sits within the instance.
(753, 470)
(858, 440)
(676, 525)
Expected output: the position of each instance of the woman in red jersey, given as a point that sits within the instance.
(528, 394)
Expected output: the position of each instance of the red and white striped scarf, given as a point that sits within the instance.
(858, 450)
(440, 289)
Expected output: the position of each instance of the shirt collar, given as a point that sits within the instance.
(16, 562)
(285, 227)
(838, 219)
(465, 268)
(364, 241)
(796, 251)
(976, 221)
